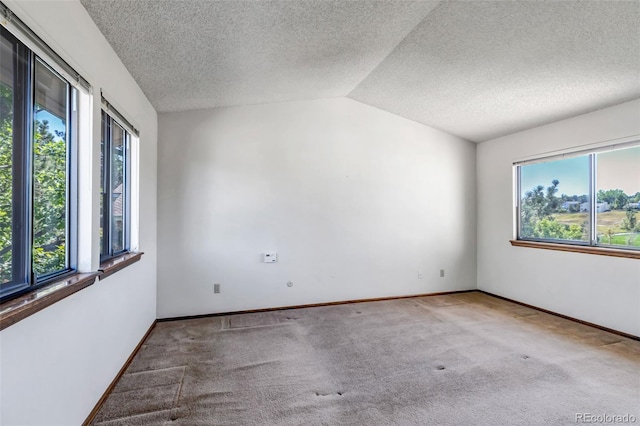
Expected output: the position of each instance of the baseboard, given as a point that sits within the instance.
(312, 305)
(610, 330)
(113, 383)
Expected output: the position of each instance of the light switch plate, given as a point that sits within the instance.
(270, 257)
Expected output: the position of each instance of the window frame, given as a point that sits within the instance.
(592, 245)
(21, 146)
(23, 279)
(71, 242)
(106, 249)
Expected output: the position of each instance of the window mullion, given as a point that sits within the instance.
(106, 201)
(110, 191)
(72, 180)
(518, 201)
(20, 160)
(27, 162)
(593, 201)
(126, 211)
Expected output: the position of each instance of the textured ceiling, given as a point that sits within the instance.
(486, 69)
(200, 54)
(474, 69)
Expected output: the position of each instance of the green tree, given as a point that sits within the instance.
(553, 202)
(630, 222)
(49, 200)
(616, 198)
(550, 228)
(6, 181)
(537, 209)
(49, 193)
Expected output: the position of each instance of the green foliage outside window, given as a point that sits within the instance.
(630, 222)
(49, 194)
(537, 216)
(542, 216)
(50, 200)
(6, 181)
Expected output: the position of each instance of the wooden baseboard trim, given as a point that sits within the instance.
(610, 330)
(113, 383)
(312, 305)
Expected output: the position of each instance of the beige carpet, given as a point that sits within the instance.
(465, 359)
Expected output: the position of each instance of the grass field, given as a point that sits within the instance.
(623, 240)
(605, 221)
(572, 218)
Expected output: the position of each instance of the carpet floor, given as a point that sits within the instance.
(460, 359)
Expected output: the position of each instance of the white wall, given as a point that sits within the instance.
(56, 364)
(598, 289)
(355, 200)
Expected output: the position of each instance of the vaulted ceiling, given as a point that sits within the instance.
(475, 69)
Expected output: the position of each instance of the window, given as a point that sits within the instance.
(47, 192)
(114, 188)
(591, 199)
(37, 119)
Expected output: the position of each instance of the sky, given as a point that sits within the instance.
(615, 170)
(55, 123)
(573, 174)
(620, 170)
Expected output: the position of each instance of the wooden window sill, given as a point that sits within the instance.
(28, 304)
(603, 251)
(21, 307)
(112, 266)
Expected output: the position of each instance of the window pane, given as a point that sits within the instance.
(6, 159)
(117, 188)
(554, 200)
(49, 172)
(618, 186)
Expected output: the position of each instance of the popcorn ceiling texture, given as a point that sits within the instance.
(201, 54)
(475, 69)
(480, 70)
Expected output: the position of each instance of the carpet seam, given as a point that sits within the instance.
(133, 416)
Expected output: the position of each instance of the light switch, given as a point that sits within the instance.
(270, 257)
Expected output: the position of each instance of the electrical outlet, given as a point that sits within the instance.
(441, 273)
(420, 275)
(216, 288)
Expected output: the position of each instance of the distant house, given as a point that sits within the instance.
(633, 206)
(600, 207)
(117, 213)
(571, 205)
